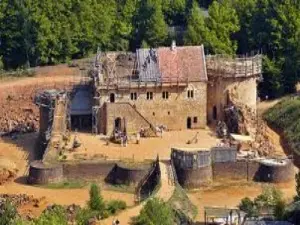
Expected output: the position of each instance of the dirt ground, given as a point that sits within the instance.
(148, 148)
(229, 195)
(20, 152)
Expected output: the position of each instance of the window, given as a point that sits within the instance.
(153, 113)
(112, 97)
(195, 119)
(149, 95)
(190, 93)
(169, 113)
(165, 95)
(133, 96)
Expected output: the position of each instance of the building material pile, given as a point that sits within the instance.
(262, 142)
(242, 119)
(18, 199)
(18, 112)
(6, 175)
(8, 170)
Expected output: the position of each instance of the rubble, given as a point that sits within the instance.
(6, 175)
(242, 119)
(18, 112)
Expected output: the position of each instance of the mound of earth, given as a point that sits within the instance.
(8, 170)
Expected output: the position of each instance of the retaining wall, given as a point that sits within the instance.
(41, 173)
(193, 172)
(148, 184)
(87, 170)
(122, 174)
(111, 172)
(276, 173)
(193, 178)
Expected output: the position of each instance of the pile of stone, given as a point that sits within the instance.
(6, 175)
(18, 199)
(262, 144)
(19, 114)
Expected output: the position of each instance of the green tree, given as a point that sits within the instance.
(155, 212)
(123, 26)
(279, 210)
(96, 201)
(245, 10)
(174, 12)
(196, 32)
(8, 213)
(54, 216)
(248, 206)
(222, 23)
(151, 27)
(268, 198)
(83, 216)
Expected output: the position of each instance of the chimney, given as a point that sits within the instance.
(173, 46)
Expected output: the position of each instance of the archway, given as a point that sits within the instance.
(189, 123)
(112, 97)
(215, 113)
(118, 124)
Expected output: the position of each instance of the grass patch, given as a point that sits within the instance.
(285, 116)
(181, 202)
(119, 188)
(68, 184)
(16, 73)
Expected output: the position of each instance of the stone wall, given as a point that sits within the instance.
(276, 174)
(172, 112)
(239, 170)
(196, 168)
(87, 170)
(148, 184)
(122, 174)
(194, 178)
(244, 91)
(41, 173)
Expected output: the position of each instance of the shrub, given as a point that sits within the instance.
(155, 212)
(115, 205)
(8, 213)
(279, 210)
(96, 201)
(83, 216)
(56, 215)
(269, 197)
(248, 206)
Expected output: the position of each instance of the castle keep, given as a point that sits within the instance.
(174, 87)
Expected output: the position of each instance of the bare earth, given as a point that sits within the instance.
(148, 148)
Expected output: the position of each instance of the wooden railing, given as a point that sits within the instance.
(138, 191)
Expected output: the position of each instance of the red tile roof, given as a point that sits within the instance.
(182, 63)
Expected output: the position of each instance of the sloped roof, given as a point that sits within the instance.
(182, 63)
(148, 65)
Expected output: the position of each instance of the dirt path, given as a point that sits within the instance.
(165, 192)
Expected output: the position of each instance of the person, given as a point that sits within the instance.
(122, 140)
(138, 136)
(125, 140)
